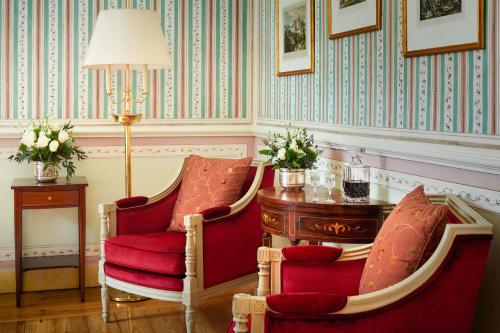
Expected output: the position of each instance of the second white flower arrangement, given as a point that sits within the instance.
(293, 150)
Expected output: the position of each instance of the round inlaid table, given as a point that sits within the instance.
(295, 215)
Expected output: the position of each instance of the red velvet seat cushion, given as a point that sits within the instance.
(161, 252)
(407, 239)
(208, 183)
(145, 279)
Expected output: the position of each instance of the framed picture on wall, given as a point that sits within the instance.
(433, 27)
(294, 37)
(350, 17)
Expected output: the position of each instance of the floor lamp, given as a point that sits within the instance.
(127, 40)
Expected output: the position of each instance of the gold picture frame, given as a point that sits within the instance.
(369, 28)
(309, 69)
(479, 44)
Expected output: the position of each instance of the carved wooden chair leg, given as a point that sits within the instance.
(105, 302)
(104, 211)
(190, 318)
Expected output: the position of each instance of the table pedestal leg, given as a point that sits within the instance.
(267, 239)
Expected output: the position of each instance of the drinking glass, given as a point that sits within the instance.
(330, 184)
(314, 179)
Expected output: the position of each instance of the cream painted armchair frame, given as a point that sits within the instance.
(193, 290)
(270, 267)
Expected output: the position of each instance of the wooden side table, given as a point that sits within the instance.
(28, 194)
(293, 214)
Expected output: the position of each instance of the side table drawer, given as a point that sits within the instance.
(349, 229)
(53, 198)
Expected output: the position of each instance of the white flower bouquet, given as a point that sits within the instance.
(50, 145)
(293, 150)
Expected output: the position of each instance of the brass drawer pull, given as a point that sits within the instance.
(50, 198)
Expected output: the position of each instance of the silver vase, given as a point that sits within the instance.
(292, 179)
(45, 174)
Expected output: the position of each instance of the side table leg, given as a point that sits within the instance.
(267, 239)
(18, 231)
(81, 241)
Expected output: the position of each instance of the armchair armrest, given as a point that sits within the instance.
(131, 202)
(306, 304)
(215, 212)
(312, 253)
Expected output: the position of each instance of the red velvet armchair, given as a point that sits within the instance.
(216, 252)
(315, 288)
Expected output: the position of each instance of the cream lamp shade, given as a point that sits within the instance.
(127, 37)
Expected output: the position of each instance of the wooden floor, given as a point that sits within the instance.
(61, 311)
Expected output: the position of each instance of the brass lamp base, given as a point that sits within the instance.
(122, 296)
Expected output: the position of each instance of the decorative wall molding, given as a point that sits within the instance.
(213, 150)
(146, 128)
(7, 253)
(472, 152)
(483, 199)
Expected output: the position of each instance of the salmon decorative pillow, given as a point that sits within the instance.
(401, 244)
(208, 183)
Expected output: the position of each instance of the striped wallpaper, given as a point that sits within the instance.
(364, 80)
(43, 43)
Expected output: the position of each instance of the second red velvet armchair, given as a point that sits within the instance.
(316, 288)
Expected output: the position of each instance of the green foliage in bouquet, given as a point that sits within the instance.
(50, 145)
(293, 150)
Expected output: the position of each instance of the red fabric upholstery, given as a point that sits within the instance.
(306, 304)
(247, 183)
(215, 212)
(145, 279)
(131, 202)
(161, 252)
(446, 303)
(453, 219)
(230, 244)
(337, 277)
(153, 217)
(312, 253)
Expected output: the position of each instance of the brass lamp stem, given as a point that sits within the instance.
(127, 119)
(128, 132)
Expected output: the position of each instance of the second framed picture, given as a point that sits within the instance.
(294, 37)
(350, 17)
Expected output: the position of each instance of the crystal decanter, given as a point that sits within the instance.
(356, 179)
